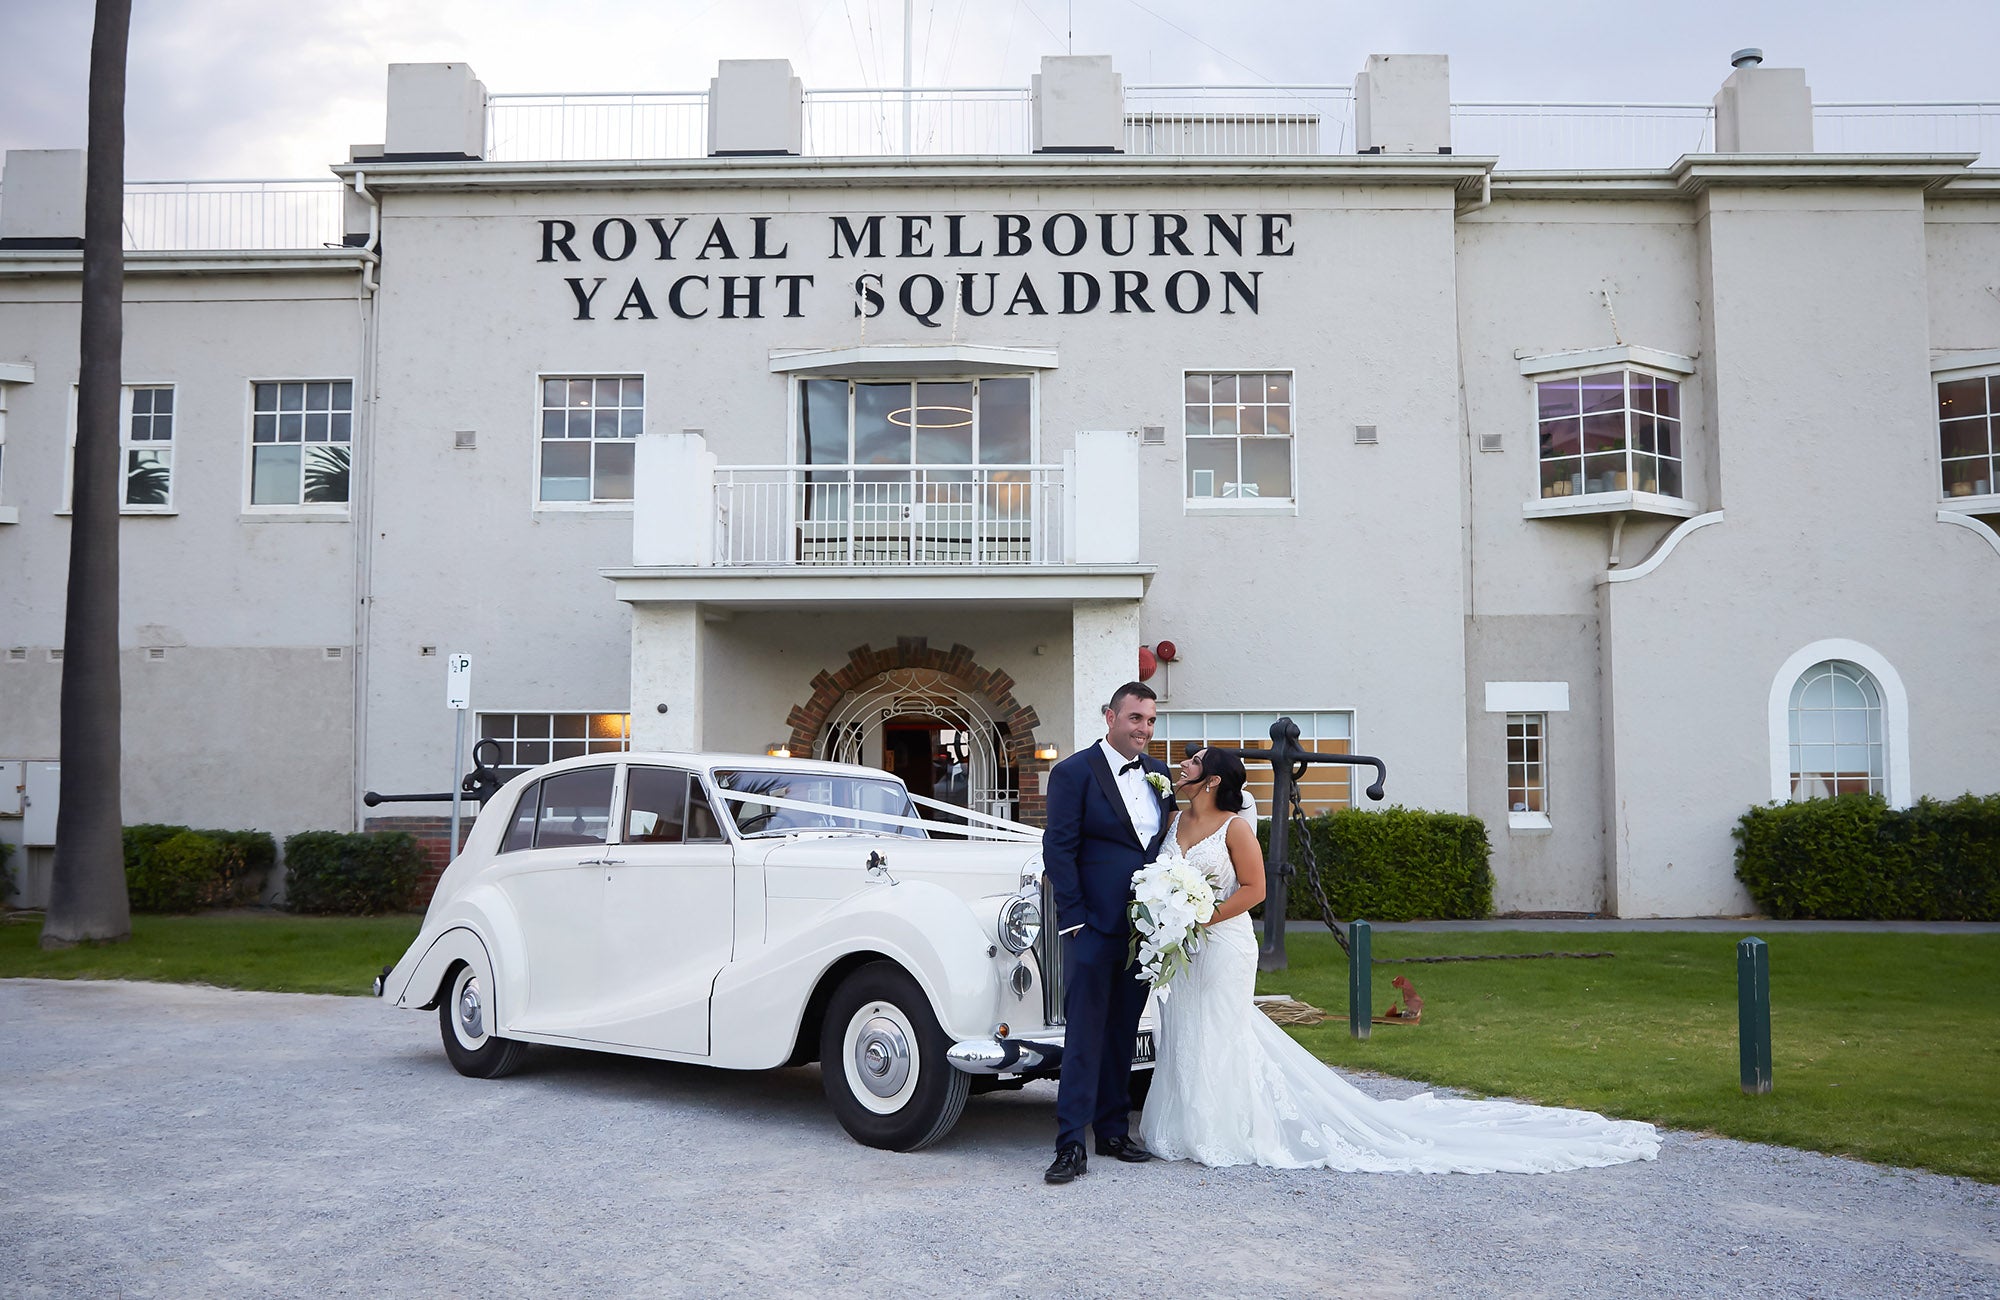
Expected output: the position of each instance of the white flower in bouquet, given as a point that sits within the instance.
(1161, 786)
(1171, 904)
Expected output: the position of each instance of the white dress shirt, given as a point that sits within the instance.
(1142, 802)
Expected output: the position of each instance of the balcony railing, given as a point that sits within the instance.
(190, 216)
(875, 516)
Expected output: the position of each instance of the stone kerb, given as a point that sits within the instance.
(991, 685)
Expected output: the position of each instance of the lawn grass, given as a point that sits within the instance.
(272, 951)
(1884, 1046)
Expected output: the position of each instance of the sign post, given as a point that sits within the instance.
(458, 698)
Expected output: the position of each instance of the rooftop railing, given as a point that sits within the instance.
(1238, 121)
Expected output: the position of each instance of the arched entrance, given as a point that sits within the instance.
(952, 730)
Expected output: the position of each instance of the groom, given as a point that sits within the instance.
(1106, 821)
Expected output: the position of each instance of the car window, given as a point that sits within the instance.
(703, 827)
(575, 808)
(827, 789)
(655, 805)
(521, 831)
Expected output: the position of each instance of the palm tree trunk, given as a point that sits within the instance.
(87, 899)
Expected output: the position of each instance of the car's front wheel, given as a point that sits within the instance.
(465, 1018)
(882, 1062)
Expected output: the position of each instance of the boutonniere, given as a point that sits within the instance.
(1161, 786)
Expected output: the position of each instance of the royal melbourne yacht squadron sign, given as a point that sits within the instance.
(927, 267)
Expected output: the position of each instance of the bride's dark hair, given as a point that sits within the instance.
(1229, 794)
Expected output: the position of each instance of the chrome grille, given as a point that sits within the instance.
(1048, 955)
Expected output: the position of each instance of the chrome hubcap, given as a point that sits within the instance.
(471, 1019)
(882, 1056)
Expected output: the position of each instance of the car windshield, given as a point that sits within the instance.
(829, 790)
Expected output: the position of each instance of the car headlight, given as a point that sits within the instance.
(1020, 923)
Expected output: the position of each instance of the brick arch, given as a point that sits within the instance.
(994, 687)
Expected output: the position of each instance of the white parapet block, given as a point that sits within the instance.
(1402, 104)
(437, 112)
(1104, 655)
(1102, 474)
(1079, 105)
(41, 198)
(673, 500)
(1764, 110)
(756, 108)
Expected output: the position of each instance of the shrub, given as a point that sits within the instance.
(1855, 858)
(177, 875)
(355, 874)
(243, 859)
(1392, 864)
(6, 872)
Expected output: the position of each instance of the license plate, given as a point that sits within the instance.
(1143, 1049)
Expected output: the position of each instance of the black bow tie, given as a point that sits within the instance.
(1132, 766)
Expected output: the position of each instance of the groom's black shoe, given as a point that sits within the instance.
(1124, 1148)
(1069, 1162)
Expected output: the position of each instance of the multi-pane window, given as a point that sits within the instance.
(1969, 435)
(590, 425)
(1527, 764)
(1239, 435)
(1323, 788)
(148, 446)
(1613, 431)
(301, 442)
(1836, 732)
(930, 422)
(530, 739)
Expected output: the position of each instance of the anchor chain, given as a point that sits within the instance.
(1301, 835)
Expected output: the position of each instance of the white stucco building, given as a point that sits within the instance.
(1602, 504)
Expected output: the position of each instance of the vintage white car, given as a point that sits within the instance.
(750, 913)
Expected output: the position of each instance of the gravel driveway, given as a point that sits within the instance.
(168, 1140)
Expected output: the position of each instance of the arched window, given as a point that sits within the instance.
(1837, 744)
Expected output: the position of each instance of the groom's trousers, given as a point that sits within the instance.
(1103, 998)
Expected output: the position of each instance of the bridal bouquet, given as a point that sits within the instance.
(1171, 902)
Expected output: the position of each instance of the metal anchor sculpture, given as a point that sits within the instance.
(479, 785)
(1288, 763)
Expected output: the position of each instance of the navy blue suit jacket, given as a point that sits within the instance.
(1090, 850)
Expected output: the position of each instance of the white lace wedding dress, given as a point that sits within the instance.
(1231, 1088)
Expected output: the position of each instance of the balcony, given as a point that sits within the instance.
(785, 535)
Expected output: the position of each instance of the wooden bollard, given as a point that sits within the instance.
(1360, 995)
(1753, 1014)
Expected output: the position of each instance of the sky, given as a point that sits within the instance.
(264, 88)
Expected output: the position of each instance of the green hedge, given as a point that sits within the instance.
(225, 869)
(356, 874)
(6, 872)
(1392, 864)
(1855, 858)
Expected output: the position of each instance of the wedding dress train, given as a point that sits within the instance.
(1232, 1088)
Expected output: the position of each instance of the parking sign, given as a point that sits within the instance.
(458, 682)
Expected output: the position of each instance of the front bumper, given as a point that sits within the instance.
(1028, 1055)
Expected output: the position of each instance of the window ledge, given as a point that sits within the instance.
(1609, 503)
(1242, 505)
(583, 507)
(10, 514)
(294, 516)
(132, 512)
(1528, 823)
(1988, 504)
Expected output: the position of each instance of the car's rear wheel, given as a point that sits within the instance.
(882, 1062)
(465, 1019)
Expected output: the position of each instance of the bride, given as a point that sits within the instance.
(1231, 1088)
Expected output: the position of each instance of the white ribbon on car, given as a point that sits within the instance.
(994, 828)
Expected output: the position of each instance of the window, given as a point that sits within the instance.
(301, 442)
(1239, 436)
(567, 810)
(664, 806)
(1527, 770)
(933, 471)
(145, 449)
(1612, 431)
(1836, 732)
(1969, 435)
(589, 424)
(1325, 786)
(530, 739)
